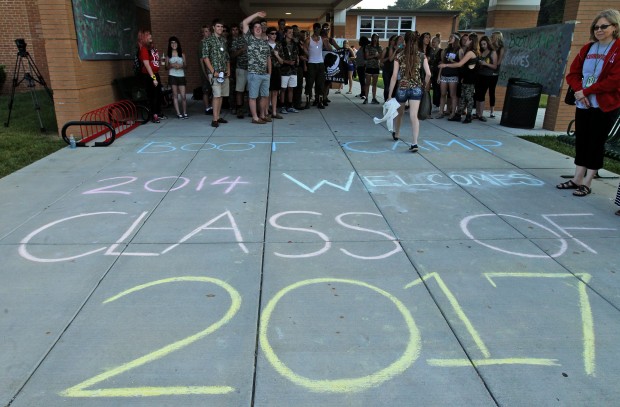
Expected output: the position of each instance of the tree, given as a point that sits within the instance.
(551, 12)
(407, 4)
(436, 5)
(473, 12)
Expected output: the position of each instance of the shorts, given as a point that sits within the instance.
(289, 81)
(275, 79)
(242, 79)
(350, 67)
(372, 71)
(176, 80)
(405, 94)
(258, 85)
(449, 79)
(220, 89)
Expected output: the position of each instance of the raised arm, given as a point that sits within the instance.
(246, 23)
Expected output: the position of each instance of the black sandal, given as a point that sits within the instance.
(583, 190)
(394, 136)
(567, 185)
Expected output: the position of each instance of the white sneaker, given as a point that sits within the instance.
(283, 110)
(292, 110)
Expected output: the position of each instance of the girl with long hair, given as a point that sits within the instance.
(410, 87)
(468, 77)
(497, 41)
(176, 75)
(434, 61)
(449, 77)
(387, 59)
(372, 53)
(486, 69)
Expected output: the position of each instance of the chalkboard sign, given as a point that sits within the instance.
(537, 55)
(105, 29)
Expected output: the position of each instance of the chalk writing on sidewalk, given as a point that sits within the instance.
(176, 183)
(411, 340)
(222, 223)
(163, 147)
(81, 389)
(365, 146)
(466, 226)
(423, 181)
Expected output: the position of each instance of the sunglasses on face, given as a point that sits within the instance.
(602, 27)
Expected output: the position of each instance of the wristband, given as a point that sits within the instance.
(154, 77)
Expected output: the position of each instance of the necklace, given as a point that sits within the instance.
(591, 80)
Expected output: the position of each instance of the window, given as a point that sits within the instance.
(384, 26)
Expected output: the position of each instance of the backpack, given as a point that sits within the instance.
(137, 64)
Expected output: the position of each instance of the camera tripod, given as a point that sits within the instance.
(23, 58)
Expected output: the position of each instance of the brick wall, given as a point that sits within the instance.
(512, 18)
(185, 23)
(20, 19)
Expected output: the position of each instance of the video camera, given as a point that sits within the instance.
(21, 46)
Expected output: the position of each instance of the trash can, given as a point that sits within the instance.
(521, 104)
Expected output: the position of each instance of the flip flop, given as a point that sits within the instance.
(567, 185)
(583, 190)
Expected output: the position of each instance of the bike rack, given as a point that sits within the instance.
(110, 122)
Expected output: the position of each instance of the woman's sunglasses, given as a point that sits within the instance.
(602, 27)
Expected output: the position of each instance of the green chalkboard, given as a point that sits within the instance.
(106, 29)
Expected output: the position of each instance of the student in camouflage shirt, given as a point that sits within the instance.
(239, 50)
(204, 78)
(288, 70)
(276, 77)
(259, 67)
(217, 63)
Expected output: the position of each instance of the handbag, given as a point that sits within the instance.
(569, 99)
(424, 111)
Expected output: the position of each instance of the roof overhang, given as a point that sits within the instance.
(398, 12)
(311, 10)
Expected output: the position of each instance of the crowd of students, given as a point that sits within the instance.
(282, 69)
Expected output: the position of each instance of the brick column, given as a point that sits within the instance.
(510, 14)
(79, 86)
(559, 114)
(339, 24)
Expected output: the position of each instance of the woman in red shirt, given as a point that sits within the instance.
(595, 77)
(149, 58)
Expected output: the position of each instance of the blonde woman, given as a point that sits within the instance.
(595, 78)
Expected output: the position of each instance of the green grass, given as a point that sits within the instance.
(22, 143)
(552, 143)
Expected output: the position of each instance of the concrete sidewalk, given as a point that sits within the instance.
(309, 262)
